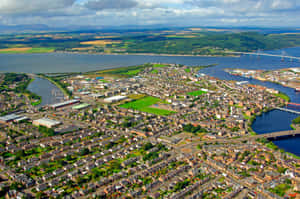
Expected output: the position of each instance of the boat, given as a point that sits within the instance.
(297, 89)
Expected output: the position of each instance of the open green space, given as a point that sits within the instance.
(197, 93)
(280, 189)
(283, 96)
(28, 51)
(297, 120)
(159, 65)
(144, 104)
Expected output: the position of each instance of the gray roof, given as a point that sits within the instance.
(9, 117)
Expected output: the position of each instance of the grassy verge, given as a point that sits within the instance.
(271, 145)
(144, 104)
(283, 96)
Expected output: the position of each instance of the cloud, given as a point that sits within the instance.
(145, 12)
(17, 7)
(248, 5)
(111, 4)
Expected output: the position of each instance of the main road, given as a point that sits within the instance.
(245, 138)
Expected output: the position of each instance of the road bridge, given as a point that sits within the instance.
(293, 104)
(265, 54)
(288, 110)
(273, 135)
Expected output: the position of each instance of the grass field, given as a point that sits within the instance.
(196, 93)
(26, 50)
(155, 71)
(133, 72)
(159, 65)
(144, 106)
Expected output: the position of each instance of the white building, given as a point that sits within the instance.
(115, 99)
(46, 122)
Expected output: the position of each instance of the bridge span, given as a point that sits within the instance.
(288, 110)
(273, 135)
(265, 54)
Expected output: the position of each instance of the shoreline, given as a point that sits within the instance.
(230, 70)
(56, 84)
(132, 54)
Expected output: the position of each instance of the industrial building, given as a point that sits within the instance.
(115, 99)
(12, 118)
(64, 104)
(46, 122)
(80, 106)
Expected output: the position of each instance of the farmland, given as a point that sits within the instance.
(183, 41)
(144, 105)
(26, 50)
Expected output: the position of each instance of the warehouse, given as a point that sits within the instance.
(63, 104)
(9, 118)
(46, 122)
(115, 99)
(80, 106)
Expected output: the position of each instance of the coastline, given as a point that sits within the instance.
(230, 71)
(134, 54)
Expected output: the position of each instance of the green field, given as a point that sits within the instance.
(155, 71)
(159, 65)
(144, 106)
(30, 50)
(133, 72)
(196, 93)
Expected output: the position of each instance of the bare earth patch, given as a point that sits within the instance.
(99, 42)
(16, 49)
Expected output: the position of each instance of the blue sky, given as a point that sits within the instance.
(59, 13)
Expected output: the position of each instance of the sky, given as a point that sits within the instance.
(198, 13)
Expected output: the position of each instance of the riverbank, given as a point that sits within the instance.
(57, 84)
(144, 54)
(286, 77)
(38, 98)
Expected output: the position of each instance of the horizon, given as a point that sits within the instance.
(166, 13)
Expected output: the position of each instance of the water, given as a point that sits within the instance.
(46, 90)
(268, 122)
(277, 120)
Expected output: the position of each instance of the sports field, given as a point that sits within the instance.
(196, 93)
(144, 104)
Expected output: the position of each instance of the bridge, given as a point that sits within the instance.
(287, 110)
(265, 54)
(273, 135)
(293, 104)
(278, 134)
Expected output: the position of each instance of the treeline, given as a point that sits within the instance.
(206, 43)
(296, 121)
(21, 82)
(194, 129)
(214, 44)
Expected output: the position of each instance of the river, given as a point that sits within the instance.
(64, 62)
(48, 91)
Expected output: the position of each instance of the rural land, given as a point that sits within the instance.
(149, 131)
(171, 41)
